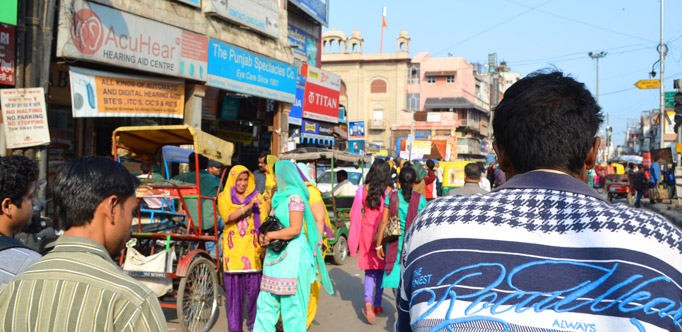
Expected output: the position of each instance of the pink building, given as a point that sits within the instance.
(449, 99)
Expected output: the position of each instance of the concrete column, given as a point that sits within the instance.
(194, 97)
(280, 127)
(3, 145)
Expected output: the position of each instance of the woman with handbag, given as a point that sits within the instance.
(404, 206)
(289, 271)
(365, 216)
(242, 208)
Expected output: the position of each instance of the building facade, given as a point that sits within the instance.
(373, 86)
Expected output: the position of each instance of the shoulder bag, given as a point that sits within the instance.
(270, 225)
(392, 231)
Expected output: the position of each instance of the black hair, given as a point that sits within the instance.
(547, 120)
(472, 171)
(203, 162)
(342, 173)
(264, 155)
(17, 173)
(145, 168)
(83, 183)
(407, 178)
(378, 178)
(430, 164)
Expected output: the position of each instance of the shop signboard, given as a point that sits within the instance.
(235, 136)
(8, 14)
(297, 109)
(298, 41)
(309, 127)
(356, 129)
(102, 34)
(24, 117)
(235, 69)
(356, 146)
(7, 53)
(230, 109)
(193, 3)
(317, 9)
(259, 15)
(321, 101)
(103, 94)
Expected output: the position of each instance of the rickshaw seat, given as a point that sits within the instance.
(159, 227)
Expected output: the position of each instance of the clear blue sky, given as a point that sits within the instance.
(533, 34)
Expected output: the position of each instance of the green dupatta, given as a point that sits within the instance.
(289, 183)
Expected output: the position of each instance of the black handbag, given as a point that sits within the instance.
(273, 224)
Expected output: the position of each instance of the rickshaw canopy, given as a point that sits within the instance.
(144, 142)
(310, 153)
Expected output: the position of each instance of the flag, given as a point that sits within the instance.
(383, 19)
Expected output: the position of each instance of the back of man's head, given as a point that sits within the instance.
(472, 171)
(17, 174)
(547, 120)
(83, 183)
(145, 168)
(341, 175)
(430, 164)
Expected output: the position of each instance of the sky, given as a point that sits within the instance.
(536, 34)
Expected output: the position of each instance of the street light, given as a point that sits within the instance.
(597, 56)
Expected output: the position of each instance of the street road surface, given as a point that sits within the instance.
(339, 312)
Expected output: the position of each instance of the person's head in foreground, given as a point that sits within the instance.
(95, 198)
(547, 121)
(18, 176)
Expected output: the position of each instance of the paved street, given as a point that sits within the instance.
(340, 312)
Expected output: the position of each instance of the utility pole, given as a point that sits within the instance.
(661, 52)
(597, 56)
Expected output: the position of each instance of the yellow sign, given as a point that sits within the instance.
(679, 148)
(648, 84)
(235, 136)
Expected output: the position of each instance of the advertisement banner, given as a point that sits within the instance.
(309, 127)
(101, 34)
(7, 53)
(235, 136)
(260, 15)
(230, 109)
(297, 108)
(317, 9)
(356, 146)
(356, 129)
(298, 41)
(24, 117)
(232, 68)
(8, 14)
(102, 94)
(321, 100)
(421, 147)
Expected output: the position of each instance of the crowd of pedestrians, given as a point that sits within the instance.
(524, 244)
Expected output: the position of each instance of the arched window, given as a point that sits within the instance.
(378, 86)
(342, 90)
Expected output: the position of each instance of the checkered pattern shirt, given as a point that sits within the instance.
(541, 253)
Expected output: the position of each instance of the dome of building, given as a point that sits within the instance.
(357, 34)
(404, 33)
(334, 33)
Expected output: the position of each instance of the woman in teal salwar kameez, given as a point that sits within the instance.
(288, 275)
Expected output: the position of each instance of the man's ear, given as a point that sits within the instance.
(109, 204)
(591, 158)
(4, 206)
(503, 159)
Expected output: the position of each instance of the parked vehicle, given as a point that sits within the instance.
(618, 186)
(355, 175)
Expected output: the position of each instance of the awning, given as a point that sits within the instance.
(317, 139)
(454, 103)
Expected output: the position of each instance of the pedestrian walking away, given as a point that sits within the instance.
(18, 176)
(544, 251)
(242, 206)
(365, 216)
(78, 286)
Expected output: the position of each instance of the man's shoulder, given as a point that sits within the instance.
(14, 261)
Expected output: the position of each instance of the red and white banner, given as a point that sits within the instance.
(7, 54)
(321, 100)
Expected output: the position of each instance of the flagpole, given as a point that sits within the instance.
(383, 25)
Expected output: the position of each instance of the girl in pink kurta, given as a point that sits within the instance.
(366, 214)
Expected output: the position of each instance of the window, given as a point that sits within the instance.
(413, 101)
(378, 86)
(450, 79)
(378, 115)
(431, 79)
(413, 73)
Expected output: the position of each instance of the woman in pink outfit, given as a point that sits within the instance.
(366, 214)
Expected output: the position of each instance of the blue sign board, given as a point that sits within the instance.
(230, 108)
(298, 40)
(235, 69)
(195, 3)
(356, 129)
(317, 9)
(310, 127)
(297, 108)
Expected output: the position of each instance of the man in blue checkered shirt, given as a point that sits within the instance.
(543, 252)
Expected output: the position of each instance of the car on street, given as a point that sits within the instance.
(355, 176)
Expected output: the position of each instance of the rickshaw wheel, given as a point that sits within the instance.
(340, 250)
(197, 302)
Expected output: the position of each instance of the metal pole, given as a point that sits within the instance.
(661, 51)
(597, 56)
(410, 139)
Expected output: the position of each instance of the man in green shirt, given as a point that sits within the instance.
(78, 286)
(209, 188)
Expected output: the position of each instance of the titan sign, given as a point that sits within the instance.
(101, 34)
(321, 99)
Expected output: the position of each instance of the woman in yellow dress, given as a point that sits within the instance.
(242, 208)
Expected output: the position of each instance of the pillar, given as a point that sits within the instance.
(194, 97)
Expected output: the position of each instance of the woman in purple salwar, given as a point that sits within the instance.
(243, 209)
